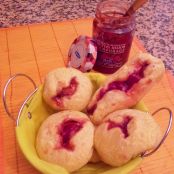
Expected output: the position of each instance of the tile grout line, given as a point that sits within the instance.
(34, 52)
(58, 44)
(74, 28)
(17, 164)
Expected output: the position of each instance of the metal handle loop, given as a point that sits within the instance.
(5, 91)
(165, 134)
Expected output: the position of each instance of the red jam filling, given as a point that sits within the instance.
(133, 78)
(66, 91)
(125, 85)
(122, 126)
(67, 130)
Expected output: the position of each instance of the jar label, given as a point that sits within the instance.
(113, 50)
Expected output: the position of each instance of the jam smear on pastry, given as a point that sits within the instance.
(122, 125)
(66, 91)
(124, 85)
(67, 130)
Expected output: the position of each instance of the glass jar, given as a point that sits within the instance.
(113, 33)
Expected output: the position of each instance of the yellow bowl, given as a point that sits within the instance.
(27, 128)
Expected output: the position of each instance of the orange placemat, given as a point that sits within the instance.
(37, 49)
(1, 149)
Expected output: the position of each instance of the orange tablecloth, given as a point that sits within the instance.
(37, 49)
(1, 149)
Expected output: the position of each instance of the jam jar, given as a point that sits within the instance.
(113, 33)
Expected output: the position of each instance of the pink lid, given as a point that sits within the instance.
(82, 54)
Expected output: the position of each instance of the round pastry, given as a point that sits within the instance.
(126, 134)
(67, 89)
(66, 139)
(126, 87)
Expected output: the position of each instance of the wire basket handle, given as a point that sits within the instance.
(5, 91)
(146, 154)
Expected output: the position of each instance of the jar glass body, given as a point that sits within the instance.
(113, 34)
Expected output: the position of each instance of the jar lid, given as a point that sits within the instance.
(82, 53)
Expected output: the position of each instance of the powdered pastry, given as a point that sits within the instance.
(67, 89)
(126, 87)
(66, 139)
(124, 134)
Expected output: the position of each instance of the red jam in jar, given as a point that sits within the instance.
(113, 33)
